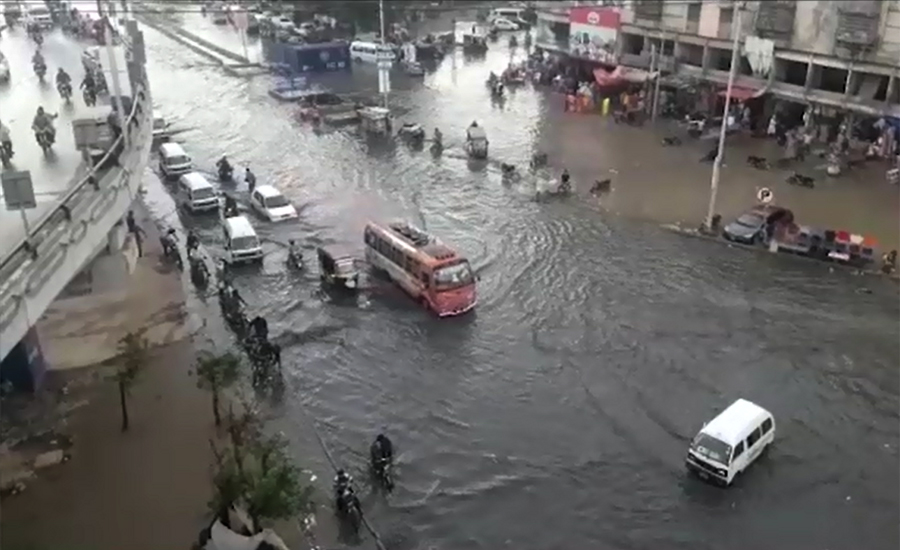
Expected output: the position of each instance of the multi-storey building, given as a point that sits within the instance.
(843, 54)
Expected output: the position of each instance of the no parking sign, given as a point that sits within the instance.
(764, 195)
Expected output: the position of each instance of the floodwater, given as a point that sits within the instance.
(558, 414)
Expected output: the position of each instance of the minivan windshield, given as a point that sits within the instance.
(453, 276)
(712, 448)
(278, 201)
(244, 243)
(179, 159)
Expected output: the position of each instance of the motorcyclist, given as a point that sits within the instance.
(196, 262)
(37, 61)
(62, 77)
(88, 84)
(260, 327)
(193, 242)
(342, 482)
(43, 122)
(294, 252)
(5, 140)
(222, 274)
(249, 177)
(565, 186)
(438, 137)
(889, 262)
(382, 452)
(167, 240)
(231, 208)
(224, 167)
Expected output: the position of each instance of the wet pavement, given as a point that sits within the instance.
(559, 413)
(54, 173)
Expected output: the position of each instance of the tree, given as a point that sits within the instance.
(216, 373)
(261, 477)
(134, 353)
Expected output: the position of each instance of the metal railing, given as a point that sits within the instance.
(26, 270)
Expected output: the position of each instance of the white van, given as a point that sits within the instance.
(512, 14)
(196, 193)
(39, 15)
(370, 52)
(241, 242)
(173, 161)
(728, 444)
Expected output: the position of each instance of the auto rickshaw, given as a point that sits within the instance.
(476, 142)
(337, 268)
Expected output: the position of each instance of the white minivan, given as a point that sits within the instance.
(730, 442)
(271, 204)
(241, 242)
(173, 161)
(370, 52)
(196, 193)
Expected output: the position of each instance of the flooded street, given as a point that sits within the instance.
(559, 413)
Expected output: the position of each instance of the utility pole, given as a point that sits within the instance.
(654, 67)
(660, 53)
(717, 165)
(384, 64)
(117, 88)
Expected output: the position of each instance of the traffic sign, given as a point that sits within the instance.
(764, 195)
(18, 191)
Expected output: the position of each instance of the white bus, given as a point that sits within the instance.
(370, 52)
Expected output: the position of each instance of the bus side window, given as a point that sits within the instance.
(368, 237)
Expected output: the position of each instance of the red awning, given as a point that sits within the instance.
(605, 78)
(739, 93)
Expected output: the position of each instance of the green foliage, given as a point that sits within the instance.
(134, 354)
(259, 475)
(216, 373)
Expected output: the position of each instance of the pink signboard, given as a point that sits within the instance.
(593, 32)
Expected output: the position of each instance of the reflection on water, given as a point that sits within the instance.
(559, 413)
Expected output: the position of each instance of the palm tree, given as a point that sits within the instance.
(216, 373)
(134, 353)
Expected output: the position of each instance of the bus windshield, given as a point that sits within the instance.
(453, 276)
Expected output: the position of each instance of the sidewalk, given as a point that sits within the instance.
(671, 185)
(144, 489)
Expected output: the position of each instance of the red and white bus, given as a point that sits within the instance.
(427, 269)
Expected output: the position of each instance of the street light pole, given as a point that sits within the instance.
(717, 165)
(383, 63)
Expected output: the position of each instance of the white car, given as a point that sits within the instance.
(39, 15)
(271, 204)
(503, 24)
(283, 22)
(4, 69)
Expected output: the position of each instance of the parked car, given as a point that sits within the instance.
(503, 24)
(757, 225)
(271, 204)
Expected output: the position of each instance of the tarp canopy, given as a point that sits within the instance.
(740, 93)
(476, 132)
(622, 75)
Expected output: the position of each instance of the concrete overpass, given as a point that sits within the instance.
(79, 216)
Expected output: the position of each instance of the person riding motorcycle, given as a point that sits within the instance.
(295, 254)
(565, 186)
(260, 327)
(38, 63)
(889, 262)
(63, 80)
(198, 266)
(43, 122)
(382, 453)
(230, 209)
(222, 277)
(193, 241)
(5, 140)
(89, 86)
(224, 167)
(249, 177)
(342, 482)
(438, 138)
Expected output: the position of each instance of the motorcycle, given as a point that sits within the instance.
(40, 69)
(90, 97)
(6, 154)
(38, 38)
(225, 172)
(348, 508)
(295, 260)
(199, 272)
(384, 472)
(45, 139)
(65, 91)
(170, 251)
(562, 190)
(801, 180)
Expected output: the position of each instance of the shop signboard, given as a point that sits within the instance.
(593, 32)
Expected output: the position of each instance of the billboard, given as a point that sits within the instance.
(593, 32)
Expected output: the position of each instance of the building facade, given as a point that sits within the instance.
(839, 54)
